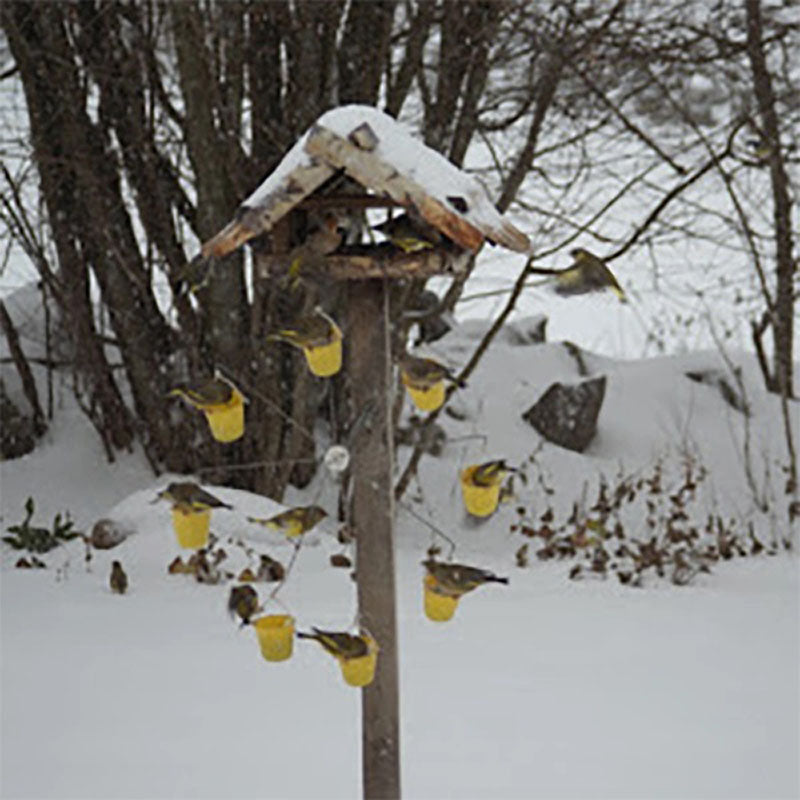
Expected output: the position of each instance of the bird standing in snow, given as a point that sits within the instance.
(118, 580)
(243, 603)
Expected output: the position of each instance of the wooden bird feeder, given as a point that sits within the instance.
(358, 146)
(191, 527)
(275, 634)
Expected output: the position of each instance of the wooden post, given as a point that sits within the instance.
(369, 372)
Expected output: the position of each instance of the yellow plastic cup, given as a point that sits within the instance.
(191, 527)
(438, 607)
(427, 399)
(227, 420)
(481, 501)
(360, 671)
(325, 360)
(275, 636)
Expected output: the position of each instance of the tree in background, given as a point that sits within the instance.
(150, 122)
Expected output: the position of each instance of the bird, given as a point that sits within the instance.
(206, 392)
(424, 373)
(409, 233)
(587, 273)
(320, 242)
(243, 603)
(340, 644)
(188, 496)
(455, 580)
(490, 473)
(194, 275)
(294, 522)
(118, 580)
(312, 330)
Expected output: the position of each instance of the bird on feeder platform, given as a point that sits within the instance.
(189, 497)
(490, 473)
(320, 242)
(409, 233)
(243, 603)
(424, 373)
(339, 644)
(312, 330)
(118, 580)
(294, 522)
(206, 392)
(455, 580)
(587, 273)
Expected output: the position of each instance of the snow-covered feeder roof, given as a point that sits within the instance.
(376, 151)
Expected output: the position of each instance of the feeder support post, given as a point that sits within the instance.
(369, 373)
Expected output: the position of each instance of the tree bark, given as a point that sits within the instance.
(783, 316)
(369, 372)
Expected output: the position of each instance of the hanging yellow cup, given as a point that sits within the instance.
(361, 670)
(479, 500)
(438, 607)
(427, 399)
(325, 360)
(226, 420)
(191, 527)
(275, 636)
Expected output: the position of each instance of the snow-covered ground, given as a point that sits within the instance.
(545, 688)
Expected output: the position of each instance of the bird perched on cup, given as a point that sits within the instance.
(423, 373)
(455, 580)
(339, 643)
(294, 522)
(118, 581)
(316, 329)
(206, 392)
(587, 273)
(490, 473)
(243, 603)
(409, 233)
(189, 497)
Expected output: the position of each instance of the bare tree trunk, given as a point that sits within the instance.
(24, 370)
(369, 371)
(783, 317)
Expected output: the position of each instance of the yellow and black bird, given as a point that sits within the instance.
(243, 603)
(455, 580)
(316, 329)
(587, 273)
(206, 392)
(118, 580)
(188, 496)
(320, 242)
(294, 522)
(424, 373)
(409, 233)
(339, 643)
(490, 473)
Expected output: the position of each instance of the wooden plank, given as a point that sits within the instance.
(380, 176)
(382, 261)
(369, 374)
(253, 221)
